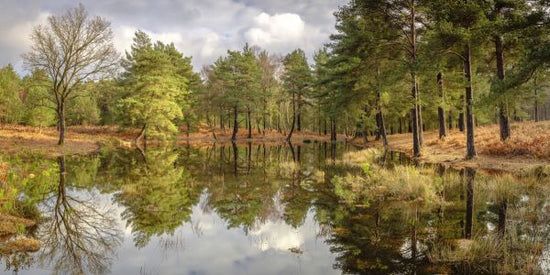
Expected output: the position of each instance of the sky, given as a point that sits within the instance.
(203, 29)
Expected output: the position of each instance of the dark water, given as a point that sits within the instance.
(248, 210)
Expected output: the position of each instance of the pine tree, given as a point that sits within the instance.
(155, 87)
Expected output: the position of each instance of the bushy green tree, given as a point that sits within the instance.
(155, 87)
(11, 107)
(297, 80)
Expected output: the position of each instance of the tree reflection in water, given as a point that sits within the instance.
(77, 237)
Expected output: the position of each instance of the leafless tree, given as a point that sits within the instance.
(71, 48)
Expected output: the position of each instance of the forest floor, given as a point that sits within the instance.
(526, 150)
(80, 140)
(83, 140)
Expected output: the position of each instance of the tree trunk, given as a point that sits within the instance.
(378, 134)
(299, 115)
(381, 124)
(440, 110)
(235, 124)
(61, 123)
(461, 124)
(420, 122)
(470, 142)
(293, 117)
(333, 134)
(450, 120)
(249, 118)
(536, 102)
(414, 110)
(504, 120)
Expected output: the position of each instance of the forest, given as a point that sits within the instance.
(391, 67)
(416, 140)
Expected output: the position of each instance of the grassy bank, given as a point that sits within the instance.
(526, 150)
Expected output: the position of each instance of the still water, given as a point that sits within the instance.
(250, 210)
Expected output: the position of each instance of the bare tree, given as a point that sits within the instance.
(71, 48)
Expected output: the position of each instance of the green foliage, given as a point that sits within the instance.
(156, 85)
(11, 107)
(39, 106)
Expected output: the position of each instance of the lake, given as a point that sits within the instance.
(267, 210)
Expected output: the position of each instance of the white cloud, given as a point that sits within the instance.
(276, 29)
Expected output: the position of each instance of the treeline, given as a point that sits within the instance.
(393, 66)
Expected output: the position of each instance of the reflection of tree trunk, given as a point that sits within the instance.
(333, 152)
(414, 240)
(141, 134)
(502, 209)
(235, 158)
(249, 118)
(299, 153)
(292, 151)
(249, 158)
(470, 179)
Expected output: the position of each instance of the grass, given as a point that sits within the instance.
(521, 249)
(401, 183)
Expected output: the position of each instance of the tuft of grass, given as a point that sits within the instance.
(401, 183)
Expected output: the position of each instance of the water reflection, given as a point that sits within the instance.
(77, 235)
(261, 209)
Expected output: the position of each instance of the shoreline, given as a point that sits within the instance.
(86, 140)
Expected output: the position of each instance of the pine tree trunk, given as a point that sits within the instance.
(235, 124)
(450, 120)
(470, 142)
(420, 122)
(461, 124)
(299, 114)
(440, 110)
(536, 103)
(504, 120)
(333, 134)
(293, 117)
(249, 118)
(414, 110)
(382, 126)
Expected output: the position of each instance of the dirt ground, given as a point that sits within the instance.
(527, 149)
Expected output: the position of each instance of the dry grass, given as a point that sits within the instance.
(528, 147)
(21, 244)
(80, 140)
(12, 225)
